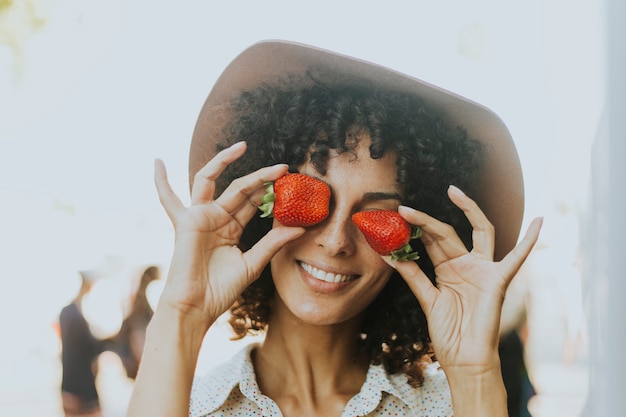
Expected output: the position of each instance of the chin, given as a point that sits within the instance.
(321, 314)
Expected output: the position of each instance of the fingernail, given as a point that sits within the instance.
(456, 190)
(388, 261)
(405, 208)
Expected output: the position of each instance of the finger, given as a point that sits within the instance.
(513, 261)
(440, 239)
(419, 283)
(243, 196)
(203, 187)
(262, 252)
(169, 200)
(483, 232)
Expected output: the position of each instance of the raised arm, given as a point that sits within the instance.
(463, 308)
(207, 273)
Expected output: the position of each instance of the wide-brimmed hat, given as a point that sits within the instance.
(500, 189)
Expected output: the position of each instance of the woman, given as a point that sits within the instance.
(80, 350)
(348, 331)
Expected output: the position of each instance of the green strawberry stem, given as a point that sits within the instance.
(406, 252)
(267, 206)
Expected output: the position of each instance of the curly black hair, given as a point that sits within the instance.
(290, 121)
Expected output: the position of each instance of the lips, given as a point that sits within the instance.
(325, 275)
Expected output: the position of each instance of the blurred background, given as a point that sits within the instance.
(92, 92)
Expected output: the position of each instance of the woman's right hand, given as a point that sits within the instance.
(208, 271)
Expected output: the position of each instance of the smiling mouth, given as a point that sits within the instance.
(326, 276)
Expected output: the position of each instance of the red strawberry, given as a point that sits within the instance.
(387, 233)
(296, 200)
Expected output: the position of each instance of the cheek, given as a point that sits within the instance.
(375, 262)
(367, 295)
(381, 278)
(279, 263)
(284, 268)
(378, 263)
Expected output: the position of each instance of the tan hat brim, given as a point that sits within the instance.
(500, 192)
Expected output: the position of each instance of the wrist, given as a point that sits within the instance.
(472, 370)
(167, 365)
(188, 327)
(477, 390)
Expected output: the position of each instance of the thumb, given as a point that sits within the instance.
(262, 252)
(419, 283)
(513, 261)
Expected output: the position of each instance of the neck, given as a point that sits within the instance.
(301, 366)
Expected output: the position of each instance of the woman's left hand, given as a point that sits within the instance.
(463, 308)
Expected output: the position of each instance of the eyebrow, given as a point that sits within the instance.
(372, 195)
(377, 196)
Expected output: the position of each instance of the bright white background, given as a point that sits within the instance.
(91, 92)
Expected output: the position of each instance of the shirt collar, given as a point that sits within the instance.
(211, 391)
(378, 383)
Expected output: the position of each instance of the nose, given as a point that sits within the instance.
(336, 234)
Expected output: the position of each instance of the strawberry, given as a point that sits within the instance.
(387, 233)
(296, 200)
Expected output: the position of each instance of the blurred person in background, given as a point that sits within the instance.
(128, 343)
(519, 387)
(512, 346)
(80, 350)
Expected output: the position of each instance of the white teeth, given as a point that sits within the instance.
(325, 276)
